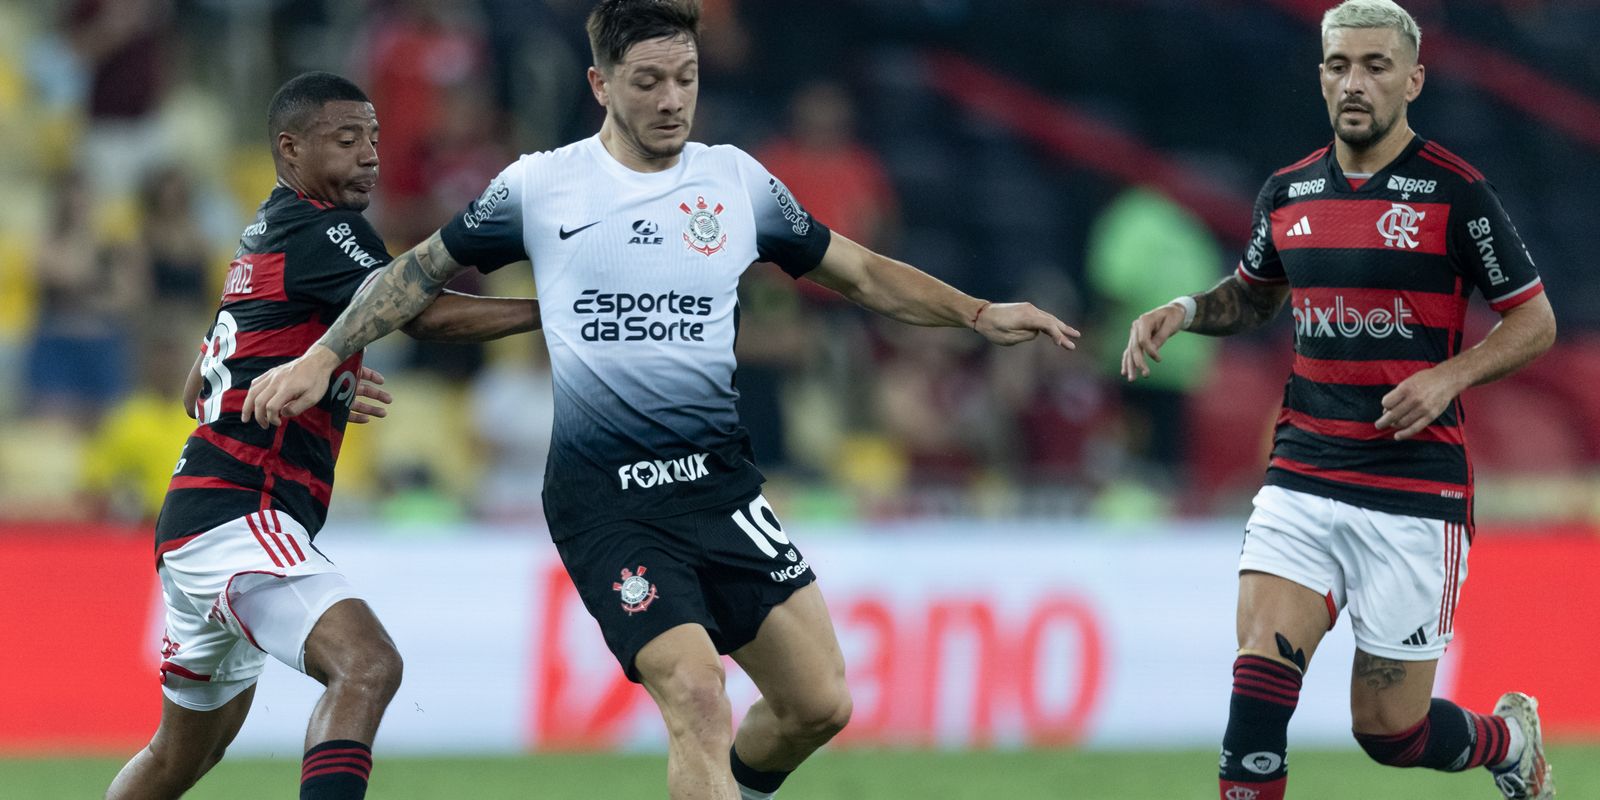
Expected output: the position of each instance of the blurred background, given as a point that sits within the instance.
(1095, 157)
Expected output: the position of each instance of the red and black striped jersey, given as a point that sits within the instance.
(298, 266)
(1380, 274)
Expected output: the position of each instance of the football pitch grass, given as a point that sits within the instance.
(845, 775)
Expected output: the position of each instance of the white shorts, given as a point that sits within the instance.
(235, 594)
(1400, 576)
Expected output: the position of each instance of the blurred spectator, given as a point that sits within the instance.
(512, 406)
(129, 461)
(833, 175)
(176, 250)
(122, 46)
(775, 342)
(931, 398)
(78, 361)
(418, 52)
(1140, 235)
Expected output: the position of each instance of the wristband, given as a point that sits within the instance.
(1186, 303)
(974, 323)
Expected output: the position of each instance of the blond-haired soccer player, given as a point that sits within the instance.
(1377, 241)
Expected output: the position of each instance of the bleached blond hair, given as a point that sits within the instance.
(1374, 14)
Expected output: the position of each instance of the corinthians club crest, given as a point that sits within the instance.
(637, 593)
(703, 233)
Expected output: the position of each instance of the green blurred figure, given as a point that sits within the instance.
(1139, 229)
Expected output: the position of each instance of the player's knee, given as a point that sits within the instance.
(821, 718)
(374, 669)
(694, 691)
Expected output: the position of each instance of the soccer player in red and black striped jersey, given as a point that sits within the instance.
(234, 551)
(1377, 242)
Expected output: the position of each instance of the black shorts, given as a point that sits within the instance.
(723, 569)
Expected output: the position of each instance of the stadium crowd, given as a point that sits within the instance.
(134, 158)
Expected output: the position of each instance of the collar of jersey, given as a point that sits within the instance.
(615, 167)
(1379, 178)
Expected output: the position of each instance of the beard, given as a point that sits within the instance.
(1363, 138)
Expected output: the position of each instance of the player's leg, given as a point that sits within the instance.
(796, 663)
(638, 579)
(1413, 571)
(1281, 619)
(315, 624)
(683, 673)
(208, 673)
(187, 744)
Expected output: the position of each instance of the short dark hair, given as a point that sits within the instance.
(304, 95)
(616, 25)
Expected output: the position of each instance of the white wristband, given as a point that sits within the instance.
(1186, 303)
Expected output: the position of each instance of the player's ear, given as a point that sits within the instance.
(288, 146)
(597, 85)
(1414, 85)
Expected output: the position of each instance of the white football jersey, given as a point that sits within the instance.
(638, 277)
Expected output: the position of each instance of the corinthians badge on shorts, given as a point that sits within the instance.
(637, 593)
(703, 233)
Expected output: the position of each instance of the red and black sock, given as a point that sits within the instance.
(336, 770)
(1254, 763)
(1449, 738)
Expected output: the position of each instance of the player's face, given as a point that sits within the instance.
(651, 95)
(1369, 75)
(337, 157)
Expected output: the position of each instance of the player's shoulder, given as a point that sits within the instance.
(1305, 166)
(1449, 169)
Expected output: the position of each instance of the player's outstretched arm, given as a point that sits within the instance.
(902, 292)
(397, 293)
(456, 317)
(1230, 307)
(1524, 333)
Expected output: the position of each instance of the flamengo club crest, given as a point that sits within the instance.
(703, 233)
(1398, 226)
(637, 593)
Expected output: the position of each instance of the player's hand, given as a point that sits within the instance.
(1013, 323)
(1151, 330)
(362, 412)
(1418, 401)
(289, 389)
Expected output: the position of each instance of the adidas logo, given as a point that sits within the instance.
(1417, 639)
(1301, 228)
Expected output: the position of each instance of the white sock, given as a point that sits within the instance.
(1514, 748)
(747, 793)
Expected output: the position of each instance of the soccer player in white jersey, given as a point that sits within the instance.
(638, 239)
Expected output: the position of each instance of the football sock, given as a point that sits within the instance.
(1254, 763)
(336, 770)
(1513, 749)
(1449, 738)
(753, 783)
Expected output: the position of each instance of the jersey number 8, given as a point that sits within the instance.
(219, 347)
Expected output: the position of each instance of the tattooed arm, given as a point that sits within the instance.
(391, 298)
(1230, 307)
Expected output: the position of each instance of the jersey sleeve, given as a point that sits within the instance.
(488, 234)
(1261, 264)
(328, 261)
(786, 234)
(1488, 250)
